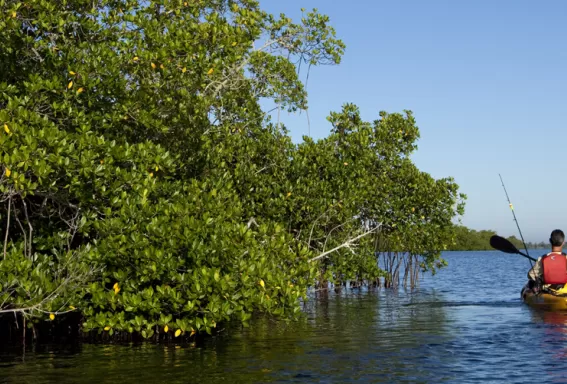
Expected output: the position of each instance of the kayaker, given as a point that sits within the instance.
(550, 270)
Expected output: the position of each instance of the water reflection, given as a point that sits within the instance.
(554, 333)
(462, 326)
(353, 336)
(552, 343)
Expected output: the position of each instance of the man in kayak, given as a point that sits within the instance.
(550, 270)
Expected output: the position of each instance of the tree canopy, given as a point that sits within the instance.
(144, 187)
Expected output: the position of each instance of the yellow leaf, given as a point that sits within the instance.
(192, 332)
(166, 329)
(71, 307)
(178, 332)
(413, 209)
(151, 174)
(288, 194)
(234, 43)
(107, 328)
(185, 3)
(69, 85)
(261, 282)
(72, 73)
(161, 66)
(157, 168)
(184, 70)
(153, 66)
(14, 14)
(51, 316)
(8, 172)
(345, 163)
(136, 58)
(6, 128)
(80, 90)
(210, 71)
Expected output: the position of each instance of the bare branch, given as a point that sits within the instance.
(331, 231)
(348, 244)
(23, 232)
(7, 225)
(30, 226)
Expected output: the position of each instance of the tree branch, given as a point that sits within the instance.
(7, 225)
(348, 243)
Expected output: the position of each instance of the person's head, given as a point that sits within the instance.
(557, 238)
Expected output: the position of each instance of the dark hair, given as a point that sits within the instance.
(557, 238)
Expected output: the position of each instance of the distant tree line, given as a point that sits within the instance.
(467, 239)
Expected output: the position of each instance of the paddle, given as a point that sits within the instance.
(501, 244)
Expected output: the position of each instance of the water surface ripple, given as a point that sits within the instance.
(466, 324)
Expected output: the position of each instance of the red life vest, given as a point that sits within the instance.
(554, 268)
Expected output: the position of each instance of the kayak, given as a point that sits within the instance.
(544, 300)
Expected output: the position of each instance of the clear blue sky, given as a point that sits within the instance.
(486, 80)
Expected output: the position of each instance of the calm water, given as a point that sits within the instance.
(466, 324)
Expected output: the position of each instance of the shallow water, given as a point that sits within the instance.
(465, 324)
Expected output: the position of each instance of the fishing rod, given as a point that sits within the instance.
(514, 214)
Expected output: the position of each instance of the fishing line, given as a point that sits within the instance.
(516, 220)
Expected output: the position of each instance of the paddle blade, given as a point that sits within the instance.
(501, 244)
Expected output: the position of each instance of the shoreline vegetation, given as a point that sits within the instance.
(467, 239)
(145, 193)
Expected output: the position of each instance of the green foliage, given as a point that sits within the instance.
(361, 175)
(466, 239)
(143, 185)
